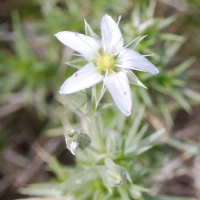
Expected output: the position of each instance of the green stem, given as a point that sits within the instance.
(96, 132)
(93, 149)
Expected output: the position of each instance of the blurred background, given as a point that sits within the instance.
(32, 71)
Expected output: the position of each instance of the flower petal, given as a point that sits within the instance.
(131, 59)
(85, 45)
(118, 86)
(73, 147)
(112, 39)
(82, 79)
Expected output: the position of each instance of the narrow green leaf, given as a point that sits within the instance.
(42, 189)
(110, 142)
(178, 70)
(120, 126)
(143, 149)
(89, 31)
(87, 194)
(107, 197)
(97, 132)
(56, 167)
(172, 37)
(135, 18)
(162, 197)
(148, 23)
(82, 177)
(76, 100)
(146, 97)
(98, 92)
(124, 193)
(170, 49)
(133, 79)
(182, 101)
(77, 63)
(128, 176)
(22, 48)
(194, 150)
(134, 128)
(139, 188)
(192, 94)
(164, 109)
(152, 138)
(137, 41)
(166, 22)
(145, 142)
(141, 133)
(97, 195)
(151, 9)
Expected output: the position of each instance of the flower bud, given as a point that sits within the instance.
(77, 140)
(116, 176)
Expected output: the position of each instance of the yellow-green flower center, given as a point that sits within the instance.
(106, 62)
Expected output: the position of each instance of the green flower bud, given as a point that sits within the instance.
(77, 140)
(116, 176)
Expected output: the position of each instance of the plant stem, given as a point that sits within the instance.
(93, 149)
(96, 135)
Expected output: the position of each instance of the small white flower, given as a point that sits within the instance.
(108, 61)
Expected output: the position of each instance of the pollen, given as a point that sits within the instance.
(106, 62)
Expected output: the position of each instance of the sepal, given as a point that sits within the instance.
(77, 140)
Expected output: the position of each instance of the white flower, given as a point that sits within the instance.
(108, 61)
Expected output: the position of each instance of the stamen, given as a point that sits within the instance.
(149, 55)
(125, 93)
(119, 18)
(76, 74)
(77, 35)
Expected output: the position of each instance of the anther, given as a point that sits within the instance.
(76, 34)
(76, 74)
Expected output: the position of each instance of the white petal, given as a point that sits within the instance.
(85, 45)
(131, 59)
(73, 146)
(118, 86)
(112, 39)
(82, 79)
